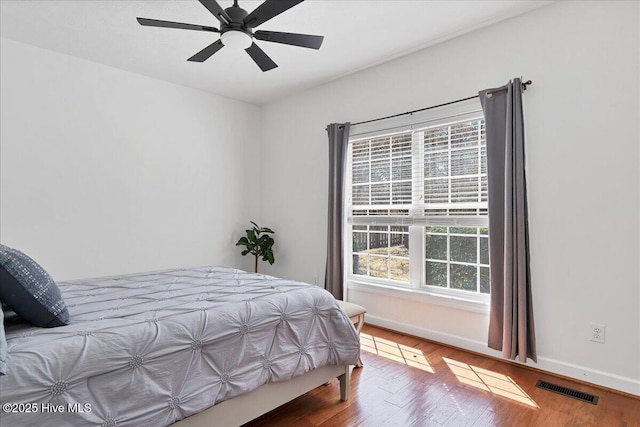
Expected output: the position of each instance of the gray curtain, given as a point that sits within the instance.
(511, 326)
(338, 143)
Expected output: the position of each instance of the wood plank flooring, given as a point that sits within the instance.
(407, 381)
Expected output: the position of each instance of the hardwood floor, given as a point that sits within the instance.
(407, 381)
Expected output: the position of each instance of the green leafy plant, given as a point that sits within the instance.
(258, 243)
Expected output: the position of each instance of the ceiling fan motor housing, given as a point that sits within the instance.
(237, 15)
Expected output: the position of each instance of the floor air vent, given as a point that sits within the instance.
(585, 397)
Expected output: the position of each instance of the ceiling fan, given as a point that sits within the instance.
(236, 30)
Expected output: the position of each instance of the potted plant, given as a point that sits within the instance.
(258, 243)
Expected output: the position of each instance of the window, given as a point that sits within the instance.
(417, 207)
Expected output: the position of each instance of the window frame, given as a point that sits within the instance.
(416, 288)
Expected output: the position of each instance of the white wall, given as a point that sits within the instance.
(583, 162)
(104, 171)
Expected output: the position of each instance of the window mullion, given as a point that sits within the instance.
(368, 250)
(449, 198)
(390, 183)
(479, 165)
(416, 232)
(449, 179)
(478, 260)
(388, 231)
(417, 171)
(479, 200)
(370, 188)
(448, 258)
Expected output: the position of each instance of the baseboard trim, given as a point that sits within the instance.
(613, 382)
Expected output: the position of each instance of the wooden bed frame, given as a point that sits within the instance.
(246, 407)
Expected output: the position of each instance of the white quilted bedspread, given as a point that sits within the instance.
(150, 349)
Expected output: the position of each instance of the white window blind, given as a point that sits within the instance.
(417, 205)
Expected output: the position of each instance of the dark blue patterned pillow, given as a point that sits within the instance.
(29, 290)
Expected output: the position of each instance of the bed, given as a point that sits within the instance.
(205, 345)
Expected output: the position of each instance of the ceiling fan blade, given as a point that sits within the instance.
(262, 59)
(268, 10)
(206, 53)
(216, 10)
(169, 24)
(302, 40)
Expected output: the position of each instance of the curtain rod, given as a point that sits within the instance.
(500, 89)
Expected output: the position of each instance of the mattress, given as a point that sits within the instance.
(150, 349)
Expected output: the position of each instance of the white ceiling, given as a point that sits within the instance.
(358, 34)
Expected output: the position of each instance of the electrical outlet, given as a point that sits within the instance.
(598, 332)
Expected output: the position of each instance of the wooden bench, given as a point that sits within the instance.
(355, 313)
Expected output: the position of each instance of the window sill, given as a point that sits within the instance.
(421, 295)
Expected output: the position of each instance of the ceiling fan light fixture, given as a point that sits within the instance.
(236, 39)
